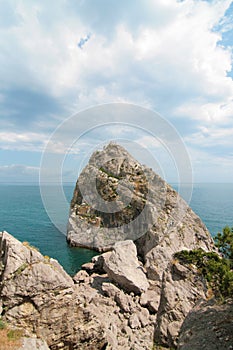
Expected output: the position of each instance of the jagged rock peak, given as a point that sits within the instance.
(113, 150)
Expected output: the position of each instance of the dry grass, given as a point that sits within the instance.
(28, 245)
(10, 339)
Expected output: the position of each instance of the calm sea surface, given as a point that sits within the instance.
(23, 215)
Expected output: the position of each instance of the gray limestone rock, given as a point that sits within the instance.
(124, 301)
(33, 344)
(182, 287)
(143, 316)
(39, 297)
(110, 290)
(81, 276)
(123, 267)
(209, 326)
(134, 321)
(151, 298)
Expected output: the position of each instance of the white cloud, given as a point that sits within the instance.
(22, 141)
(212, 137)
(207, 112)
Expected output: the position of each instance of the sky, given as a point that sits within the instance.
(62, 57)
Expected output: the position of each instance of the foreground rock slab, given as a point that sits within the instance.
(123, 267)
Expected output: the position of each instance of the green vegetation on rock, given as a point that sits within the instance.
(216, 269)
(2, 324)
(224, 242)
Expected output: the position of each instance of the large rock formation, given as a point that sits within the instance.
(132, 203)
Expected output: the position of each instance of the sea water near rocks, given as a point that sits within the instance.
(23, 215)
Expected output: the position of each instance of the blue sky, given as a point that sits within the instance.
(59, 58)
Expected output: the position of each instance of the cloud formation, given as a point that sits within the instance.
(167, 55)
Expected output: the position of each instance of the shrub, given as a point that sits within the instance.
(216, 270)
(224, 243)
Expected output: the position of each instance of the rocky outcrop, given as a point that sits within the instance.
(110, 193)
(39, 297)
(116, 198)
(209, 326)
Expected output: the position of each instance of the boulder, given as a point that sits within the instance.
(124, 301)
(123, 267)
(110, 290)
(151, 298)
(81, 276)
(134, 322)
(144, 317)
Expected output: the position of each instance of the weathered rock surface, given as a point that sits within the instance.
(39, 297)
(208, 326)
(123, 267)
(110, 193)
(151, 298)
(33, 344)
(182, 287)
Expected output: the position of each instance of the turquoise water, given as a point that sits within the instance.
(23, 215)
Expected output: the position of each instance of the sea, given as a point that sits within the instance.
(22, 214)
